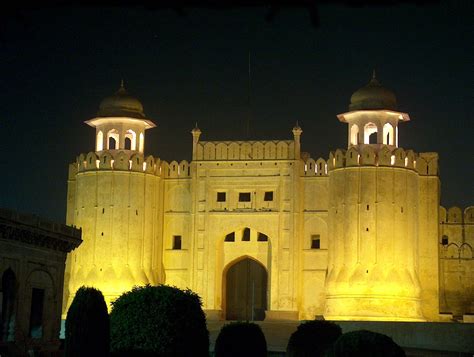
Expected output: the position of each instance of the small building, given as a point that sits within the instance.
(32, 263)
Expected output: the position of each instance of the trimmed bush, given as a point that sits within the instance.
(159, 321)
(87, 325)
(312, 338)
(241, 339)
(365, 343)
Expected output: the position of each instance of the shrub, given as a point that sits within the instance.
(159, 321)
(365, 343)
(87, 325)
(312, 338)
(241, 339)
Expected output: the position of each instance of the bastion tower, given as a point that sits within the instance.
(382, 215)
(112, 196)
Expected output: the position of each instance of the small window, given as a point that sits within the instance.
(177, 242)
(36, 313)
(445, 240)
(268, 196)
(128, 144)
(244, 197)
(315, 242)
(262, 237)
(246, 235)
(221, 196)
(230, 237)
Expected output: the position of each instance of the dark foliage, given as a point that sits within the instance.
(158, 321)
(87, 325)
(241, 339)
(365, 343)
(312, 338)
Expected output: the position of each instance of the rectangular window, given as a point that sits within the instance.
(268, 196)
(315, 241)
(221, 196)
(444, 240)
(177, 242)
(36, 313)
(244, 197)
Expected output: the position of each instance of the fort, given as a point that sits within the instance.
(262, 231)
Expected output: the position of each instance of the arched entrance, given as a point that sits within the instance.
(246, 291)
(7, 307)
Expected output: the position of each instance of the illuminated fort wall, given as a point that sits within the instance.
(358, 236)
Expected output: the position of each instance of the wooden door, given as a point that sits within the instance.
(246, 291)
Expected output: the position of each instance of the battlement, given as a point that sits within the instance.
(127, 161)
(313, 167)
(426, 164)
(246, 150)
(456, 215)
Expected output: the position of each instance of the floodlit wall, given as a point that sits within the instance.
(115, 199)
(456, 243)
(373, 270)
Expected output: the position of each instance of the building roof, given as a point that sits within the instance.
(121, 104)
(373, 96)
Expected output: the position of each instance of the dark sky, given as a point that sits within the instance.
(57, 64)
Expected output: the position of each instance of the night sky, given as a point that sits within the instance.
(57, 64)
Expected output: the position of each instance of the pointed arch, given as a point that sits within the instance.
(370, 133)
(388, 134)
(113, 139)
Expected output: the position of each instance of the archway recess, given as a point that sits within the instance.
(246, 291)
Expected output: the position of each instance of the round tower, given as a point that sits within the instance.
(112, 195)
(373, 199)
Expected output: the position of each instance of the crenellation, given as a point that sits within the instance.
(117, 160)
(246, 150)
(368, 156)
(310, 167)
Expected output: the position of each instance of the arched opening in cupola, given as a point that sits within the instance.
(388, 137)
(112, 139)
(370, 133)
(130, 140)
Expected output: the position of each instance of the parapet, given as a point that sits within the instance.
(310, 167)
(125, 161)
(426, 164)
(246, 150)
(456, 215)
(118, 161)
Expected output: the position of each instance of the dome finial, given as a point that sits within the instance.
(373, 74)
(121, 90)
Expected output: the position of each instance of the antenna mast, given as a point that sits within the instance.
(249, 116)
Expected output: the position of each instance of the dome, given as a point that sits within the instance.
(373, 96)
(121, 104)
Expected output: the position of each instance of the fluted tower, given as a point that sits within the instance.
(112, 195)
(373, 211)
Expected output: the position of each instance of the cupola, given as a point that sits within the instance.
(373, 116)
(120, 123)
